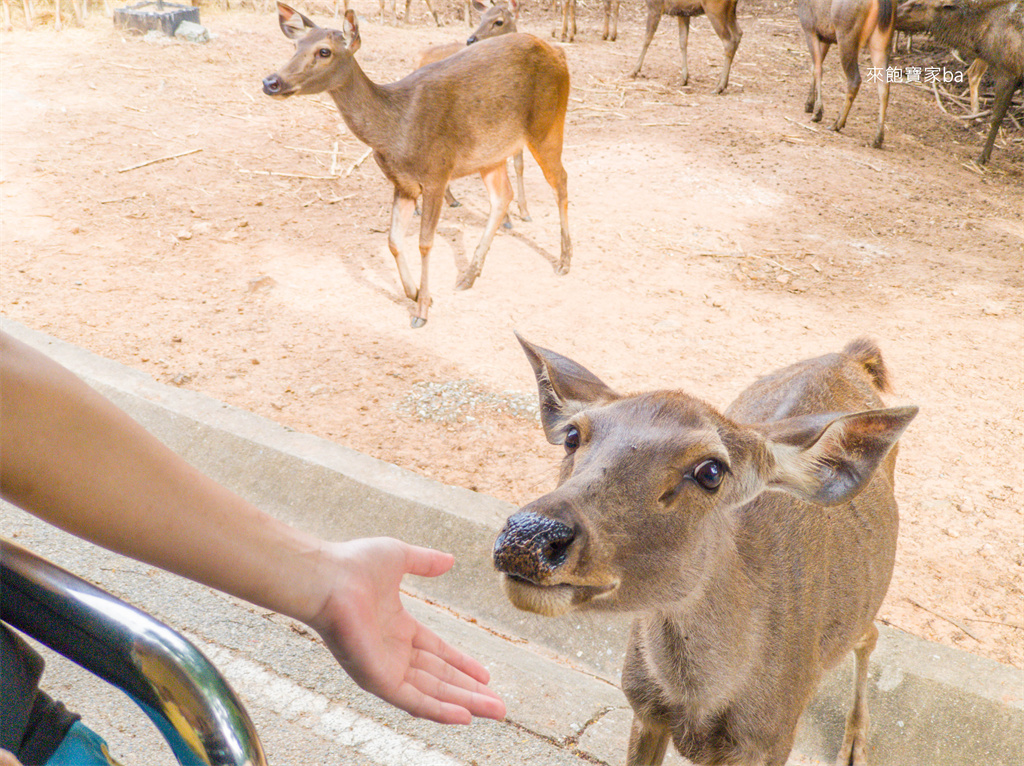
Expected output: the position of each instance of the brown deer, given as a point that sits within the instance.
(721, 14)
(464, 114)
(497, 18)
(852, 24)
(754, 547)
(992, 30)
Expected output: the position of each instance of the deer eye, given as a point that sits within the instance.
(498, 22)
(324, 53)
(572, 439)
(709, 474)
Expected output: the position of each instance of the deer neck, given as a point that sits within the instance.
(370, 111)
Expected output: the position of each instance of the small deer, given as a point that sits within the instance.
(497, 18)
(853, 24)
(992, 30)
(721, 14)
(755, 546)
(464, 114)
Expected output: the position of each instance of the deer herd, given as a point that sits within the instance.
(469, 107)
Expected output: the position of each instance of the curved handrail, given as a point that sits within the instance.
(175, 685)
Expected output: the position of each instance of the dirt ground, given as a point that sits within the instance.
(716, 238)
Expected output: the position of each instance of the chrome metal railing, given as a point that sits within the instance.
(191, 704)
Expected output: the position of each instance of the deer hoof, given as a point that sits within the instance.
(417, 322)
(562, 268)
(466, 281)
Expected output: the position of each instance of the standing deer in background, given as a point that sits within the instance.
(405, 18)
(611, 20)
(721, 14)
(465, 114)
(498, 18)
(992, 30)
(755, 546)
(853, 24)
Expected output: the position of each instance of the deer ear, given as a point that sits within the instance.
(480, 6)
(565, 388)
(293, 24)
(351, 30)
(830, 459)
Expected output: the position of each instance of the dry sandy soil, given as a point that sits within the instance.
(716, 238)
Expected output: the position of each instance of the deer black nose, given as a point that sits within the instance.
(531, 546)
(471, 40)
(272, 85)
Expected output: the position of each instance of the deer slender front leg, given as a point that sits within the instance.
(432, 199)
(647, 743)
(852, 753)
(401, 213)
(684, 34)
(517, 163)
(500, 188)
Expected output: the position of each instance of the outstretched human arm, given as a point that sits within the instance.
(72, 458)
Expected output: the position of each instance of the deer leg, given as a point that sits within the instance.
(819, 49)
(647, 743)
(572, 17)
(729, 33)
(878, 46)
(974, 74)
(548, 154)
(29, 14)
(428, 227)
(1006, 85)
(449, 198)
(517, 162)
(433, 12)
(497, 183)
(855, 740)
(848, 51)
(7, 16)
(684, 35)
(653, 20)
(401, 213)
(565, 19)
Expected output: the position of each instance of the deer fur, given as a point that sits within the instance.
(498, 18)
(754, 546)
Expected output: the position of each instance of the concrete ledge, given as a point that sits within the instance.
(930, 705)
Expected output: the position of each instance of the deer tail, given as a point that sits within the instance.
(866, 353)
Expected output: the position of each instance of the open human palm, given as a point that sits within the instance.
(385, 650)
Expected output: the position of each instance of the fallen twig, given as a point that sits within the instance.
(159, 159)
(950, 620)
(358, 162)
(287, 175)
(1004, 623)
(802, 125)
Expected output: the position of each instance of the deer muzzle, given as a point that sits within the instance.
(273, 85)
(535, 555)
(531, 546)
